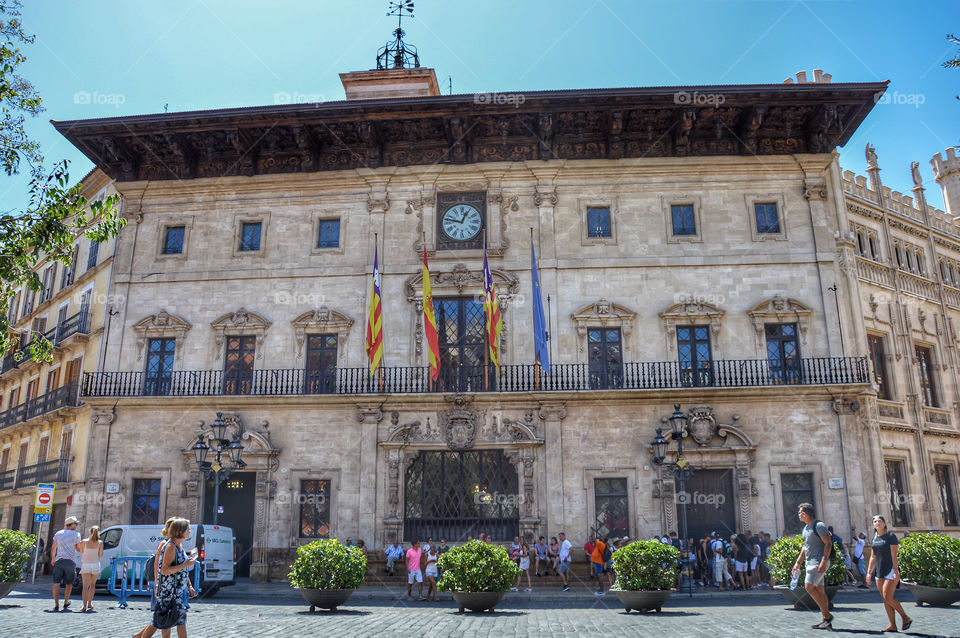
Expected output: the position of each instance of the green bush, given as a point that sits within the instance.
(930, 559)
(784, 553)
(477, 567)
(15, 549)
(646, 565)
(328, 564)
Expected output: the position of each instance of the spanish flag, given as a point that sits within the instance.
(374, 345)
(430, 322)
(491, 310)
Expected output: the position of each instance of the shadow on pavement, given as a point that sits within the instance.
(337, 612)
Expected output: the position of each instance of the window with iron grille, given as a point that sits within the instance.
(146, 502)
(684, 222)
(794, 490)
(783, 353)
(328, 235)
(605, 358)
(238, 364)
(612, 507)
(768, 220)
(878, 357)
(160, 355)
(598, 221)
(321, 363)
(946, 494)
(925, 369)
(460, 332)
(173, 240)
(250, 236)
(898, 498)
(314, 500)
(693, 349)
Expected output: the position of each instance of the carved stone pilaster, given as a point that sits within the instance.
(367, 411)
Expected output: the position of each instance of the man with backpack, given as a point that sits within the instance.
(815, 558)
(721, 550)
(599, 558)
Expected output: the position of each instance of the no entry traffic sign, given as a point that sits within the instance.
(44, 498)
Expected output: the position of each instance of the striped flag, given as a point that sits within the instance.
(374, 345)
(430, 322)
(541, 351)
(491, 309)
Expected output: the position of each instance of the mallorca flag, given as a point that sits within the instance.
(491, 310)
(374, 344)
(430, 321)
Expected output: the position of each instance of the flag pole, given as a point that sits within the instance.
(486, 322)
(423, 317)
(536, 359)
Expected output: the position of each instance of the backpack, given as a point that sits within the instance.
(727, 550)
(607, 553)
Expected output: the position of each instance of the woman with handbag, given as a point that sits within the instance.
(174, 578)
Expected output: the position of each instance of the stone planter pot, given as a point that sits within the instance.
(800, 599)
(477, 600)
(935, 596)
(325, 598)
(6, 588)
(643, 601)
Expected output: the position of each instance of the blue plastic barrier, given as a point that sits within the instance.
(131, 572)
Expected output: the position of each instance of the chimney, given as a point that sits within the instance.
(382, 84)
(947, 173)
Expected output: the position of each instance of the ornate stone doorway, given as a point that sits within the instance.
(711, 506)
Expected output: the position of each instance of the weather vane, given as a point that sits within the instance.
(398, 54)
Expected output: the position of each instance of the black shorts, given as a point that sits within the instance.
(64, 572)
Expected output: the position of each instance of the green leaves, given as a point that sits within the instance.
(646, 565)
(328, 564)
(15, 549)
(930, 559)
(477, 567)
(784, 553)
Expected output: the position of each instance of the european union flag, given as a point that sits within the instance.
(539, 319)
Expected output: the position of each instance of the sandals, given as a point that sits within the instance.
(907, 624)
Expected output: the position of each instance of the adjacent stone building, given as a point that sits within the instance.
(696, 246)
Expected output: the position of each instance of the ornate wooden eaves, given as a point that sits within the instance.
(581, 124)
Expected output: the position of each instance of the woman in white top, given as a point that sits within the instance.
(524, 560)
(431, 573)
(91, 549)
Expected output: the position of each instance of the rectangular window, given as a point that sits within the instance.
(250, 236)
(612, 507)
(927, 376)
(28, 295)
(460, 332)
(321, 364)
(92, 254)
(12, 309)
(70, 271)
(146, 502)
(15, 520)
(43, 449)
(896, 493)
(66, 444)
(768, 220)
(684, 222)
(693, 348)
(314, 499)
(598, 222)
(238, 364)
(946, 494)
(794, 490)
(22, 458)
(879, 359)
(605, 363)
(329, 233)
(160, 354)
(173, 241)
(14, 398)
(32, 389)
(783, 353)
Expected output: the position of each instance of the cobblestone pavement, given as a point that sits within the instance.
(22, 614)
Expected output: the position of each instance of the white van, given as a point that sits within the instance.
(213, 542)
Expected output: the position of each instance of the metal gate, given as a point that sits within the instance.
(455, 495)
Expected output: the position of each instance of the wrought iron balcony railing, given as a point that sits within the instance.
(7, 479)
(657, 375)
(60, 398)
(57, 470)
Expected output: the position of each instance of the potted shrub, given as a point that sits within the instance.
(326, 572)
(783, 555)
(646, 571)
(930, 567)
(477, 574)
(15, 553)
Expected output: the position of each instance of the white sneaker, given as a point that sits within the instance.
(527, 589)
(598, 593)
(513, 589)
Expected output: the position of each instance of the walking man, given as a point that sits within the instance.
(815, 559)
(565, 560)
(64, 552)
(414, 555)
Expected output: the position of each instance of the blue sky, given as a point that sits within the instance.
(127, 57)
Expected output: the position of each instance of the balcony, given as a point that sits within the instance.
(7, 479)
(62, 397)
(57, 470)
(74, 326)
(656, 375)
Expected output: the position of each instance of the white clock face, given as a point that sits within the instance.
(462, 222)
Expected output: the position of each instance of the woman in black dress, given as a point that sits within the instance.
(884, 567)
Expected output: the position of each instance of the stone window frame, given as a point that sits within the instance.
(296, 475)
(952, 266)
(239, 323)
(912, 258)
(323, 320)
(667, 202)
(603, 314)
(162, 476)
(611, 203)
(936, 382)
(937, 458)
(693, 313)
(250, 218)
(321, 216)
(871, 240)
(778, 469)
(751, 200)
(889, 378)
(906, 469)
(779, 309)
(170, 221)
(590, 474)
(162, 325)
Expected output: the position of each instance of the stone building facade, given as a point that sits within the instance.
(44, 425)
(693, 254)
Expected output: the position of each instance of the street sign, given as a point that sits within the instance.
(41, 518)
(44, 498)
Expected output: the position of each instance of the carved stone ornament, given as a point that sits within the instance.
(321, 321)
(701, 424)
(241, 322)
(462, 278)
(460, 427)
(779, 310)
(814, 189)
(159, 326)
(606, 314)
(692, 313)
